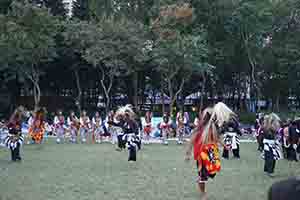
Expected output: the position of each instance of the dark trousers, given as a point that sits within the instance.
(121, 143)
(15, 153)
(260, 143)
(236, 152)
(270, 162)
(284, 151)
(291, 153)
(132, 153)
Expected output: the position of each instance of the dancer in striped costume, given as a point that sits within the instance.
(15, 139)
(205, 140)
(130, 135)
(231, 133)
(272, 150)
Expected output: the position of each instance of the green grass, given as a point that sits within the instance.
(73, 172)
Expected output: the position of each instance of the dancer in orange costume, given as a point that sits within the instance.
(37, 128)
(205, 142)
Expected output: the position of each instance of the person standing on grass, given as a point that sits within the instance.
(147, 127)
(272, 152)
(231, 133)
(98, 130)
(130, 135)
(15, 139)
(259, 131)
(180, 127)
(37, 128)
(291, 140)
(165, 127)
(84, 126)
(73, 124)
(205, 140)
(59, 122)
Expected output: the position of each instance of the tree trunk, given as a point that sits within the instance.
(163, 98)
(173, 96)
(135, 89)
(106, 89)
(277, 102)
(78, 98)
(202, 91)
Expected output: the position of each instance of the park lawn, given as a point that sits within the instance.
(82, 172)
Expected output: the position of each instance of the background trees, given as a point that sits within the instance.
(236, 51)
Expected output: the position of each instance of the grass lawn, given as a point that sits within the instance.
(73, 172)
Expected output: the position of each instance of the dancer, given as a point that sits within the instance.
(59, 122)
(113, 130)
(272, 151)
(14, 139)
(165, 127)
(147, 127)
(205, 141)
(180, 127)
(259, 132)
(283, 133)
(84, 126)
(37, 127)
(186, 121)
(130, 129)
(3, 133)
(291, 140)
(98, 130)
(231, 133)
(73, 123)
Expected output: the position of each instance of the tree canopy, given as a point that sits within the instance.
(239, 51)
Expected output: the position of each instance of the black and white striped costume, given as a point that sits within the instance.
(272, 146)
(231, 140)
(272, 151)
(12, 141)
(131, 139)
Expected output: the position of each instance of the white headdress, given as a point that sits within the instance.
(272, 122)
(125, 110)
(220, 114)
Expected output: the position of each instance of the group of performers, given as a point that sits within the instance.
(215, 126)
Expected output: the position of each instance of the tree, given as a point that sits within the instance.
(249, 22)
(57, 7)
(26, 44)
(4, 6)
(81, 10)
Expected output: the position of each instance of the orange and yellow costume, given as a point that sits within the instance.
(207, 155)
(37, 129)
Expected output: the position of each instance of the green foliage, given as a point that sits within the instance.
(56, 7)
(81, 10)
(4, 6)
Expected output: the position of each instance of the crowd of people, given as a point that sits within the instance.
(214, 127)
